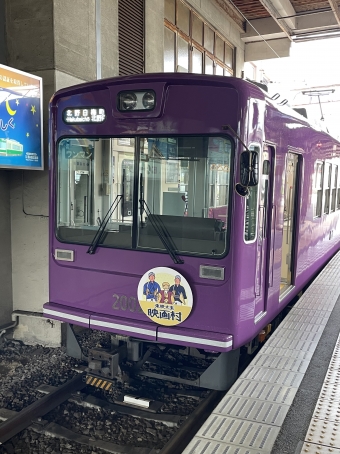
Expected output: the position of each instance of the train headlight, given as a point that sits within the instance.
(127, 101)
(136, 100)
(149, 100)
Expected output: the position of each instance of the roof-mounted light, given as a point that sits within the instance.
(128, 101)
(149, 100)
(136, 100)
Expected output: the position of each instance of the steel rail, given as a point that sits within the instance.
(179, 441)
(24, 418)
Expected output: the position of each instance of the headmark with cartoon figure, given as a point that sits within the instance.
(168, 304)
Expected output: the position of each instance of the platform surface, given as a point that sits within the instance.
(288, 399)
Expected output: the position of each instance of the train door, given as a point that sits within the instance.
(289, 222)
(264, 229)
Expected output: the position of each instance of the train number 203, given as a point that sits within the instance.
(125, 303)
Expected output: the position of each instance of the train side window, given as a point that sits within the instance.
(334, 186)
(318, 188)
(265, 184)
(338, 194)
(328, 178)
(250, 224)
(251, 215)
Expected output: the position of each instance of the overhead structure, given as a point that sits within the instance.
(270, 26)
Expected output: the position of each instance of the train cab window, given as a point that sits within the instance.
(183, 193)
(318, 188)
(95, 187)
(328, 179)
(334, 186)
(185, 190)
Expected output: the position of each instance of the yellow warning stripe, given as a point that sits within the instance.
(98, 382)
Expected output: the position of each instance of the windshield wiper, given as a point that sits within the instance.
(101, 229)
(157, 224)
(161, 230)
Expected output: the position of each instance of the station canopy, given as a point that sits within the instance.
(282, 22)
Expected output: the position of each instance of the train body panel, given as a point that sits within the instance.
(182, 160)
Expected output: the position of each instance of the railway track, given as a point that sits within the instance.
(165, 426)
(32, 417)
(17, 422)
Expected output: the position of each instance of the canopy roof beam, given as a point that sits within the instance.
(275, 14)
(335, 9)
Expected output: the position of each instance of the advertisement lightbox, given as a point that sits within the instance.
(21, 144)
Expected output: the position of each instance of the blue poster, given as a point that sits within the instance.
(20, 120)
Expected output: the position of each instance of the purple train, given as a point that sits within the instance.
(185, 210)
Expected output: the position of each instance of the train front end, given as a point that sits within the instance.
(141, 218)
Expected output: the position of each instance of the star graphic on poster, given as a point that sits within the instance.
(27, 134)
(33, 110)
(17, 102)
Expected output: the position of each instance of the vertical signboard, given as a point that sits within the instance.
(21, 145)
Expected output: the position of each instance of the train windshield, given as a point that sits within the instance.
(144, 188)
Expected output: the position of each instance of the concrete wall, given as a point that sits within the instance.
(75, 38)
(2, 34)
(67, 58)
(29, 239)
(29, 34)
(109, 38)
(261, 51)
(23, 262)
(6, 303)
(30, 29)
(154, 35)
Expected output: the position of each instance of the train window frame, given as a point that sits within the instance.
(254, 146)
(318, 191)
(134, 232)
(334, 190)
(327, 184)
(337, 203)
(57, 176)
(230, 195)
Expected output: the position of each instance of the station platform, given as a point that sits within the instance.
(288, 398)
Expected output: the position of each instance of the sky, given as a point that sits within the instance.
(311, 64)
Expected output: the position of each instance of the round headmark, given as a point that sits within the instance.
(165, 296)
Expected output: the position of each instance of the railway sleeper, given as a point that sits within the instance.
(52, 429)
(150, 414)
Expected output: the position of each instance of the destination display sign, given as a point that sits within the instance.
(75, 115)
